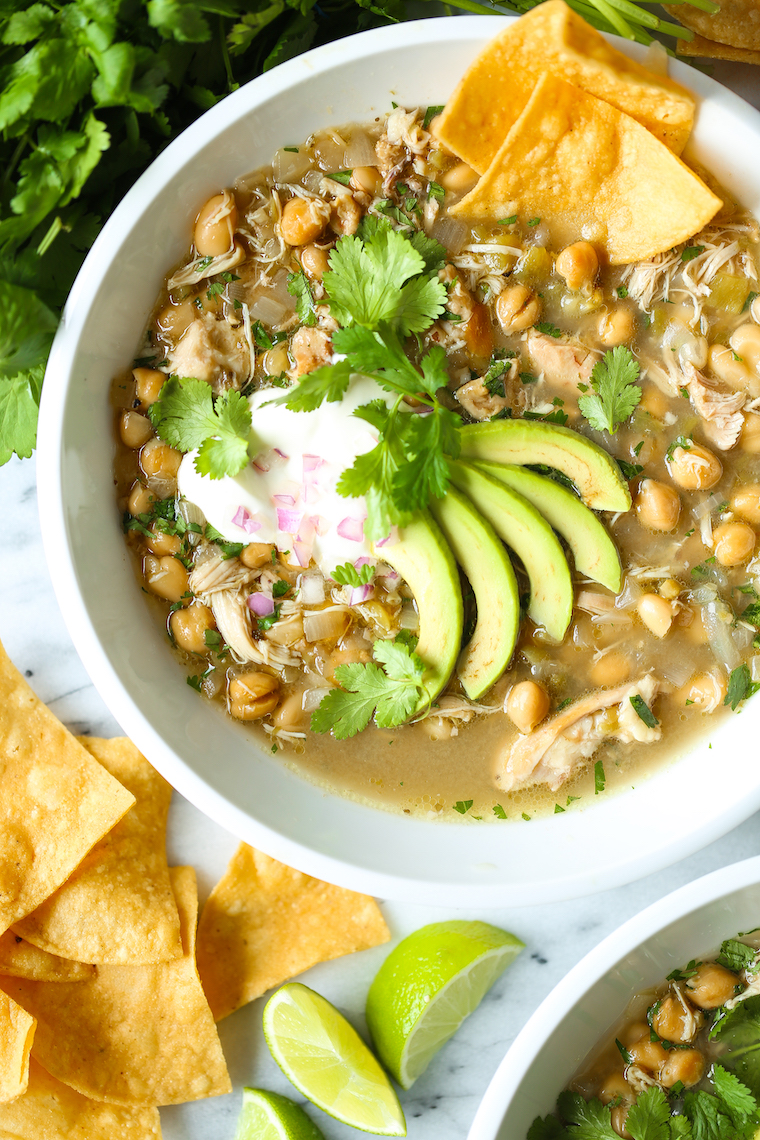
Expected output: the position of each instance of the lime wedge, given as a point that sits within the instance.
(327, 1061)
(428, 985)
(269, 1116)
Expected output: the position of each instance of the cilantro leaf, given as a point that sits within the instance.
(703, 1110)
(186, 416)
(740, 686)
(19, 404)
(326, 384)
(348, 575)
(614, 380)
(643, 711)
(739, 1033)
(737, 1098)
(735, 955)
(592, 1118)
(549, 1128)
(299, 287)
(649, 1117)
(391, 694)
(431, 251)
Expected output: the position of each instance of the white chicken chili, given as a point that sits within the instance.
(483, 506)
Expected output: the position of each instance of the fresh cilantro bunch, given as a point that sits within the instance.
(187, 415)
(382, 287)
(616, 391)
(392, 693)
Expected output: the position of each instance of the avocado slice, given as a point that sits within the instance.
(521, 526)
(594, 552)
(479, 551)
(423, 559)
(594, 472)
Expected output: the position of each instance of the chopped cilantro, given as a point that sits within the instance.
(196, 682)
(750, 298)
(462, 806)
(643, 711)
(299, 287)
(599, 777)
(280, 588)
(752, 614)
(215, 289)
(614, 380)
(494, 379)
(555, 417)
(228, 549)
(348, 575)
(572, 799)
(430, 114)
(435, 190)
(735, 955)
(740, 686)
(548, 329)
(528, 378)
(593, 1119)
(391, 694)
(622, 292)
(510, 221)
(291, 149)
(186, 415)
(558, 809)
(563, 704)
(629, 470)
(499, 812)
(534, 221)
(526, 816)
(213, 640)
(342, 176)
(691, 252)
(688, 971)
(265, 623)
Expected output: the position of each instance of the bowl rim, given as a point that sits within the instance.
(574, 986)
(356, 875)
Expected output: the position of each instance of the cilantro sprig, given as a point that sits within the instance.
(349, 575)
(391, 693)
(382, 287)
(616, 391)
(186, 415)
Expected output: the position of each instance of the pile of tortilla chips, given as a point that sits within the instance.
(562, 126)
(103, 1016)
(733, 33)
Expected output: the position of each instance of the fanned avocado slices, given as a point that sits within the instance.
(424, 560)
(484, 560)
(594, 472)
(594, 552)
(520, 525)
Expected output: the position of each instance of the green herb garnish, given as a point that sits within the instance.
(740, 686)
(499, 811)
(186, 415)
(600, 778)
(348, 575)
(691, 252)
(463, 806)
(430, 114)
(299, 287)
(548, 329)
(391, 693)
(614, 380)
(643, 711)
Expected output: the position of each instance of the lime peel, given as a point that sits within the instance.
(325, 1058)
(269, 1116)
(428, 985)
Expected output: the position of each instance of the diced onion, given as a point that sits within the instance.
(288, 520)
(719, 636)
(676, 670)
(246, 521)
(261, 605)
(351, 529)
(324, 625)
(361, 594)
(330, 152)
(409, 618)
(192, 514)
(312, 589)
(360, 151)
(754, 668)
(302, 553)
(312, 698)
(267, 309)
(450, 233)
(288, 166)
(629, 595)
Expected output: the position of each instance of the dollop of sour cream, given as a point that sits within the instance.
(287, 495)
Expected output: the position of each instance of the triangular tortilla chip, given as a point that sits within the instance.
(700, 48)
(19, 959)
(16, 1035)
(118, 906)
(736, 24)
(49, 1110)
(132, 1035)
(56, 802)
(588, 170)
(264, 923)
(494, 91)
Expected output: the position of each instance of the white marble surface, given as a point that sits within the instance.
(443, 1102)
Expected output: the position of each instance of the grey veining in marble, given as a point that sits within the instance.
(443, 1102)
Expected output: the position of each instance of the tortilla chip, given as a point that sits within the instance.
(132, 1035)
(264, 923)
(117, 907)
(494, 91)
(700, 48)
(16, 1035)
(49, 1110)
(585, 168)
(737, 24)
(56, 802)
(19, 959)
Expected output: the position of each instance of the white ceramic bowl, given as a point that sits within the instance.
(579, 1012)
(206, 756)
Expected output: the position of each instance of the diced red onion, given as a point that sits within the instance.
(363, 561)
(352, 529)
(322, 524)
(285, 500)
(288, 521)
(306, 531)
(392, 538)
(302, 553)
(261, 605)
(312, 463)
(280, 454)
(246, 521)
(312, 493)
(361, 594)
(260, 464)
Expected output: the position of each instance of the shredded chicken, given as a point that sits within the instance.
(553, 752)
(202, 267)
(481, 404)
(310, 348)
(214, 573)
(562, 364)
(719, 408)
(212, 350)
(692, 1020)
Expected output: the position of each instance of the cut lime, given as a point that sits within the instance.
(327, 1061)
(428, 985)
(269, 1116)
